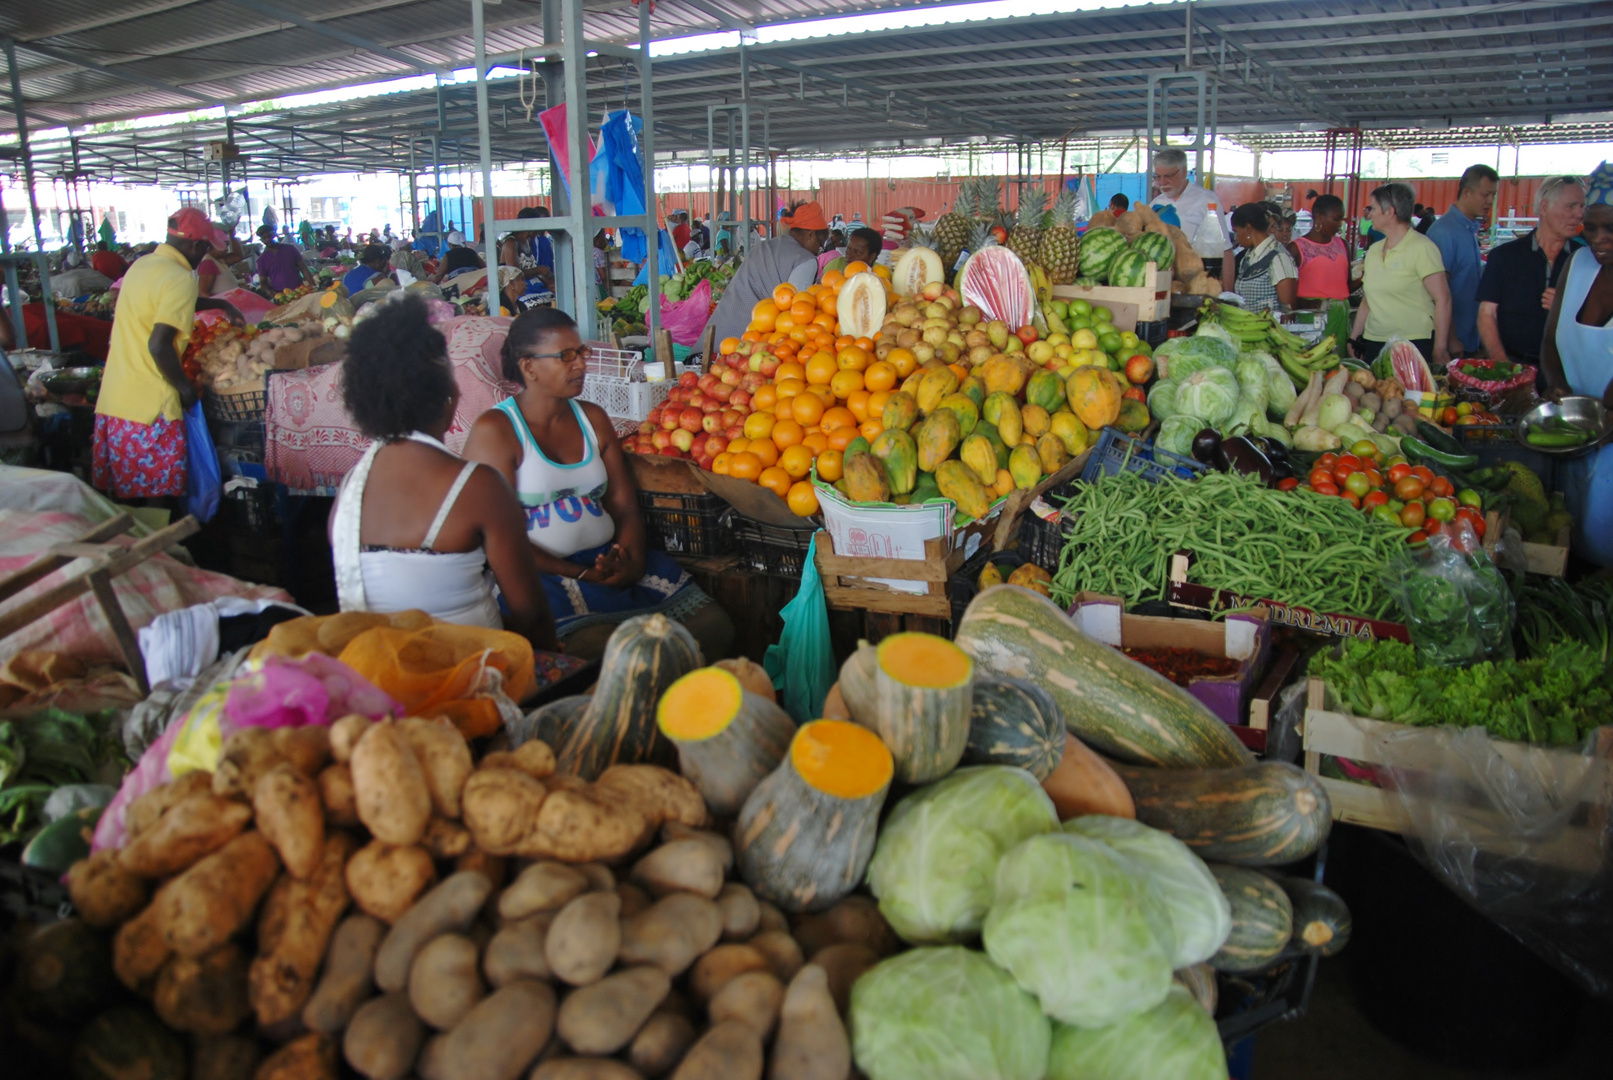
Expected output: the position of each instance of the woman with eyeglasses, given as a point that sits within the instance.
(1577, 356)
(567, 467)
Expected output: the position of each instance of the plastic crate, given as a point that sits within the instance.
(617, 382)
(236, 422)
(1116, 452)
(1040, 541)
(1493, 444)
(240, 407)
(964, 586)
(777, 550)
(682, 524)
(257, 508)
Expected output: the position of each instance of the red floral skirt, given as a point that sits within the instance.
(138, 461)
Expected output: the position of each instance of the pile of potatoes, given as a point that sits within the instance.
(368, 893)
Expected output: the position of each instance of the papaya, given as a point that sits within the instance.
(1094, 396)
(926, 489)
(1032, 577)
(959, 483)
(1071, 432)
(859, 445)
(989, 575)
(900, 412)
(935, 386)
(1045, 389)
(910, 385)
(973, 389)
(1035, 419)
(1133, 416)
(1003, 411)
(967, 412)
(1004, 484)
(1027, 439)
(1003, 375)
(866, 480)
(1025, 466)
(897, 451)
(998, 447)
(937, 438)
(1050, 450)
(977, 453)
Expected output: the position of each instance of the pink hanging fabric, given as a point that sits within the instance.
(557, 130)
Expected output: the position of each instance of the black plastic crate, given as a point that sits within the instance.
(964, 586)
(681, 524)
(1493, 444)
(777, 550)
(1040, 541)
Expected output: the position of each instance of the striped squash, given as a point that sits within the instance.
(1267, 814)
(805, 835)
(1013, 722)
(1114, 704)
(728, 738)
(1262, 919)
(914, 691)
(646, 654)
(1322, 920)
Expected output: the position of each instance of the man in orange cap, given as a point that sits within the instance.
(139, 445)
(792, 257)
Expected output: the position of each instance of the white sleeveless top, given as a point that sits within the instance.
(565, 507)
(451, 586)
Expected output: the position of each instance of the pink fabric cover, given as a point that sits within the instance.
(310, 440)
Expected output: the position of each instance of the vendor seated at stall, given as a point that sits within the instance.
(280, 266)
(568, 469)
(531, 253)
(414, 525)
(374, 268)
(864, 246)
(458, 259)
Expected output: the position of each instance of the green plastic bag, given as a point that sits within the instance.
(802, 664)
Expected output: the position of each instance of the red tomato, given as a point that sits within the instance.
(1413, 516)
(1320, 476)
(1352, 498)
(1327, 461)
(1417, 538)
(1326, 487)
(1375, 478)
(1423, 473)
(1288, 483)
(1342, 472)
(1374, 498)
(1349, 461)
(1409, 488)
(1399, 472)
(1442, 486)
(1473, 518)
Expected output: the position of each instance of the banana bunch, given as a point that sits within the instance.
(1252, 328)
(1258, 330)
(1299, 365)
(1040, 282)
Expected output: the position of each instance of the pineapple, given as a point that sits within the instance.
(951, 231)
(988, 202)
(1060, 252)
(1025, 239)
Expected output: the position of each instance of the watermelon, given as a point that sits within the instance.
(995, 281)
(1129, 270)
(1158, 248)
(1099, 248)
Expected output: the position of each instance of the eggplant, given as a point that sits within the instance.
(1281, 470)
(1206, 446)
(1241, 455)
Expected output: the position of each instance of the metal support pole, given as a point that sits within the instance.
(22, 142)
(553, 91)
(414, 194)
(484, 143)
(572, 263)
(652, 227)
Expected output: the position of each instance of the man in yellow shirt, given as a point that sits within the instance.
(139, 447)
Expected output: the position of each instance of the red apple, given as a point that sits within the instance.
(711, 423)
(724, 392)
(648, 426)
(731, 377)
(1027, 334)
(732, 416)
(697, 445)
(751, 380)
(669, 419)
(704, 461)
(671, 451)
(655, 416)
(691, 419)
(707, 381)
(711, 408)
(735, 432)
(661, 440)
(740, 399)
(690, 379)
(1139, 369)
(1135, 393)
(769, 366)
(746, 348)
(683, 439)
(716, 444)
(697, 399)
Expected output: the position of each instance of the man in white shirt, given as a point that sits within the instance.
(1195, 205)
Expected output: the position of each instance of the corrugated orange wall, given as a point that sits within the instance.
(1516, 195)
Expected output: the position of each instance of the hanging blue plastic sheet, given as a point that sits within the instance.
(204, 482)
(664, 251)
(802, 664)
(618, 173)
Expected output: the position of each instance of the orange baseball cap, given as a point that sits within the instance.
(192, 224)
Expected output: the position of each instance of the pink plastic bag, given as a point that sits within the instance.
(686, 319)
(251, 306)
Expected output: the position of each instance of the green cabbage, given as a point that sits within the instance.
(1250, 413)
(935, 867)
(1176, 1039)
(1211, 395)
(1176, 434)
(1200, 916)
(1216, 331)
(1081, 931)
(946, 1013)
(1280, 392)
(1162, 399)
(1186, 355)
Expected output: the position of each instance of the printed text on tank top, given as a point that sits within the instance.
(560, 515)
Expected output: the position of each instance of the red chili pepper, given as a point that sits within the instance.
(1182, 666)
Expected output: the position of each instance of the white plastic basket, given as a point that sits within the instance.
(617, 382)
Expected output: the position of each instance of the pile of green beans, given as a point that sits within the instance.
(1299, 548)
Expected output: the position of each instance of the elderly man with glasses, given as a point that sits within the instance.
(1520, 278)
(1195, 207)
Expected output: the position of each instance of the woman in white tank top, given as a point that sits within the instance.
(562, 457)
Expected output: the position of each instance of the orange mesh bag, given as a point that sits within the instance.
(444, 670)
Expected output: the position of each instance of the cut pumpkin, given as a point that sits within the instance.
(728, 738)
(915, 692)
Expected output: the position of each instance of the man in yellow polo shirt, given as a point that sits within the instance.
(139, 448)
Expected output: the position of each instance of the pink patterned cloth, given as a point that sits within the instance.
(158, 585)
(310, 439)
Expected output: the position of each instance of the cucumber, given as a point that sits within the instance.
(1419, 452)
(1434, 436)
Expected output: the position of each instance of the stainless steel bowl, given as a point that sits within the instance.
(1582, 412)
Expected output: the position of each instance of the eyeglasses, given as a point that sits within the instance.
(565, 356)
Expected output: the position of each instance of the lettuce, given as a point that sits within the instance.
(1211, 395)
(1176, 434)
(1162, 399)
(1175, 1039)
(934, 869)
(946, 1013)
(1188, 355)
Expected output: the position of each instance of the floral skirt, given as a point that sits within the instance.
(138, 461)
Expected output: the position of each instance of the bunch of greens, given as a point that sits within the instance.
(1455, 604)
(1556, 697)
(43, 752)
(1551, 610)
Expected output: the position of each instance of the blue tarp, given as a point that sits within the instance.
(617, 172)
(662, 249)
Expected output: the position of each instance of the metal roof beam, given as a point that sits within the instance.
(66, 57)
(335, 34)
(1499, 7)
(1444, 33)
(1437, 55)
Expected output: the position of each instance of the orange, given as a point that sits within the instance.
(825, 322)
(865, 344)
(763, 315)
(802, 498)
(841, 437)
(798, 335)
(845, 383)
(870, 429)
(758, 425)
(876, 403)
(828, 395)
(838, 417)
(738, 446)
(843, 340)
(833, 278)
(719, 464)
(857, 402)
(783, 294)
(729, 345)
(852, 358)
(879, 376)
(903, 361)
(796, 460)
(788, 388)
(765, 451)
(787, 433)
(745, 465)
(959, 370)
(816, 441)
(883, 271)
(830, 465)
(803, 310)
(775, 480)
(820, 369)
(856, 267)
(789, 369)
(765, 398)
(785, 409)
(829, 304)
(807, 408)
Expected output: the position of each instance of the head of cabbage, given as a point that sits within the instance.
(946, 1013)
(1080, 929)
(1162, 399)
(1181, 357)
(1175, 1039)
(1176, 434)
(1210, 394)
(935, 866)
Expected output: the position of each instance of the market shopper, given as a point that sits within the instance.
(138, 450)
(569, 471)
(374, 268)
(1197, 212)
(1577, 358)
(1119, 204)
(280, 266)
(680, 229)
(1264, 273)
(791, 257)
(458, 258)
(214, 276)
(108, 262)
(1521, 276)
(1456, 233)
(1320, 256)
(532, 254)
(1404, 291)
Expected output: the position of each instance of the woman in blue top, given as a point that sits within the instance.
(568, 469)
(373, 264)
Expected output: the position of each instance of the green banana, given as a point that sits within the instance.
(1298, 372)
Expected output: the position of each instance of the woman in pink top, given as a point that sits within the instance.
(1323, 261)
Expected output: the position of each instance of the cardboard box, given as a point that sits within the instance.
(1128, 306)
(1245, 637)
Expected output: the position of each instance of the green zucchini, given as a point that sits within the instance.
(1267, 814)
(1262, 920)
(1321, 918)
(1419, 452)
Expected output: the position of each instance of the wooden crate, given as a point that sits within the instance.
(1548, 559)
(1128, 306)
(847, 585)
(1580, 847)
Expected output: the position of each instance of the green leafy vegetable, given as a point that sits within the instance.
(1175, 1039)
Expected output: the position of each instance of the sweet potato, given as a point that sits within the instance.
(532, 757)
(144, 811)
(189, 829)
(348, 977)
(843, 964)
(495, 868)
(498, 1039)
(449, 908)
(730, 1050)
(752, 998)
(104, 893)
(444, 983)
(251, 752)
(672, 933)
(139, 950)
(500, 808)
(855, 919)
(336, 794)
(782, 952)
(601, 1018)
(681, 866)
(445, 839)
(770, 917)
(443, 756)
(661, 1043)
(289, 813)
(345, 734)
(310, 1057)
(741, 914)
(543, 886)
(204, 996)
(584, 1068)
(584, 938)
(516, 951)
(209, 903)
(394, 801)
(600, 878)
(384, 1038)
(812, 1042)
(224, 1057)
(294, 932)
(384, 880)
(713, 970)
